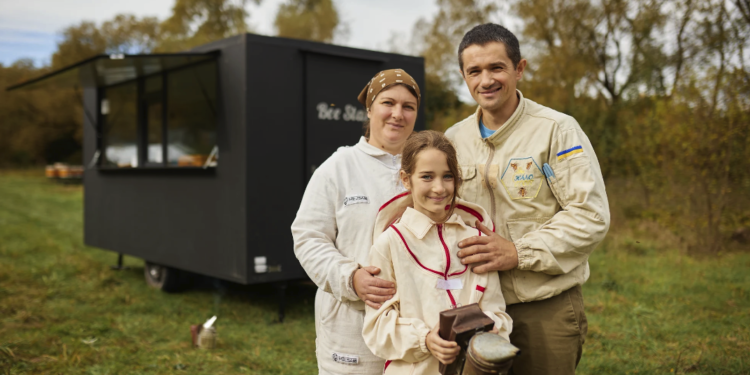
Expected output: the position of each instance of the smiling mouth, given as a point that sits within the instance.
(490, 92)
(396, 125)
(437, 199)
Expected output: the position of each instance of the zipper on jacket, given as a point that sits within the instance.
(487, 178)
(447, 262)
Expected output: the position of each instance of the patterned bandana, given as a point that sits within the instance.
(383, 80)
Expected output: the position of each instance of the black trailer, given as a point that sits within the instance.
(197, 161)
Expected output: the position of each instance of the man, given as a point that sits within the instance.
(536, 172)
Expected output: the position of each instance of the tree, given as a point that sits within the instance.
(123, 34)
(437, 41)
(196, 22)
(316, 20)
(38, 126)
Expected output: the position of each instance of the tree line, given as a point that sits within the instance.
(661, 87)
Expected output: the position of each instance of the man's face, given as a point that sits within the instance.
(490, 76)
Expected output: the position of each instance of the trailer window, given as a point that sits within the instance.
(153, 116)
(120, 115)
(191, 116)
(163, 120)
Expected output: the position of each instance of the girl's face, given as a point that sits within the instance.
(392, 117)
(432, 184)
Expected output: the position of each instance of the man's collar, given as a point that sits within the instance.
(419, 224)
(508, 123)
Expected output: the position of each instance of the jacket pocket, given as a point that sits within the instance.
(471, 183)
(339, 338)
(517, 228)
(528, 285)
(557, 191)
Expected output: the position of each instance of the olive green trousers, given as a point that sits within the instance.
(550, 334)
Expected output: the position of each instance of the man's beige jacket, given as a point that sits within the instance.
(555, 219)
(420, 257)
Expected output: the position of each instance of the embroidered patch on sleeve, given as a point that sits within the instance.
(569, 152)
(522, 178)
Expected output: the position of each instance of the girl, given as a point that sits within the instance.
(418, 253)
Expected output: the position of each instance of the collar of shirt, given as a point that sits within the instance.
(393, 161)
(419, 224)
(486, 132)
(505, 129)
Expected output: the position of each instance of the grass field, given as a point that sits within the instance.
(651, 309)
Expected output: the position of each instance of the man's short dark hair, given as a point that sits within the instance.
(490, 32)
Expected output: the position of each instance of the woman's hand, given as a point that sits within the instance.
(445, 351)
(372, 290)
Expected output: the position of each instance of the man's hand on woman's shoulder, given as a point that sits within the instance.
(372, 290)
(488, 253)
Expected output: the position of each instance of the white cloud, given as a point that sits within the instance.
(30, 28)
(54, 15)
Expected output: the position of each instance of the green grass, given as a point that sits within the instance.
(651, 310)
(57, 296)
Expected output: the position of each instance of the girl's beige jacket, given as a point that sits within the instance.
(420, 257)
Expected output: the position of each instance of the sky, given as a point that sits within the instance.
(31, 28)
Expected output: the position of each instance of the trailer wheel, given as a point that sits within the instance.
(167, 279)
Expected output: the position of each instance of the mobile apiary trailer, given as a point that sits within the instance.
(197, 161)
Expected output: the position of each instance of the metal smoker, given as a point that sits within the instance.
(481, 352)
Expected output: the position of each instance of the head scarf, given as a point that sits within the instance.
(383, 80)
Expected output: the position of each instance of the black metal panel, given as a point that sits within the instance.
(334, 117)
(191, 221)
(275, 146)
(269, 135)
(287, 79)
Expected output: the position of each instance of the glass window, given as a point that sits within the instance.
(121, 126)
(191, 115)
(154, 133)
(134, 114)
(152, 102)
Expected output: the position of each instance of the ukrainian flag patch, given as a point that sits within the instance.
(569, 152)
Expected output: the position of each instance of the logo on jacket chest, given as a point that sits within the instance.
(522, 178)
(356, 199)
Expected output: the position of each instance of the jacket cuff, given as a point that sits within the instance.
(350, 284)
(525, 255)
(423, 341)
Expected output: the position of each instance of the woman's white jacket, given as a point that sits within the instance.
(333, 233)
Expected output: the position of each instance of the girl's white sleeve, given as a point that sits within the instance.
(388, 335)
(314, 230)
(493, 304)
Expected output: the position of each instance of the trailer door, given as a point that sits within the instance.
(333, 116)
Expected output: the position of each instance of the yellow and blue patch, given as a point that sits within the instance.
(569, 152)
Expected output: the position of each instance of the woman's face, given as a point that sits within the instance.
(392, 116)
(432, 184)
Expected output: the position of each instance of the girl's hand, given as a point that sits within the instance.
(445, 351)
(372, 290)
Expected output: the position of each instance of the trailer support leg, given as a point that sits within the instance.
(282, 300)
(119, 265)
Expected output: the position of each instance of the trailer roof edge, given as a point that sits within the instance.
(98, 78)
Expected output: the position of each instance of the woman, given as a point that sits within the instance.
(334, 225)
